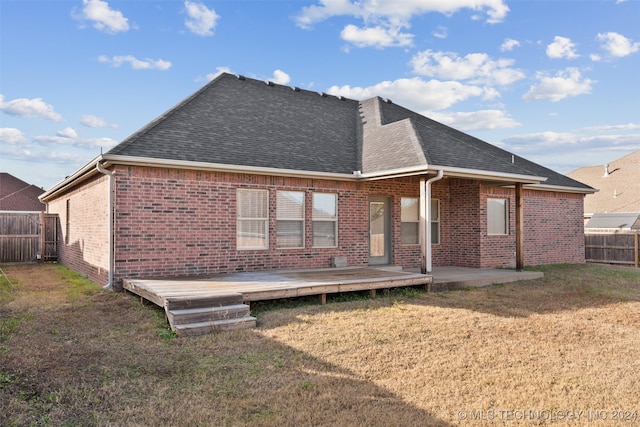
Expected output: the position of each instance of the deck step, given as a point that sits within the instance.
(189, 302)
(203, 328)
(207, 314)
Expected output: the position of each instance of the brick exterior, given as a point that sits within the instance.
(171, 222)
(84, 245)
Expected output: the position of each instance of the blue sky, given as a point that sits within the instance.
(555, 81)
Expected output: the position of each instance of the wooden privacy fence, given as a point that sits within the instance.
(28, 237)
(618, 248)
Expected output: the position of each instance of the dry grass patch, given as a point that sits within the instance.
(72, 354)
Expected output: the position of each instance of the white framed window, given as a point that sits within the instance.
(252, 229)
(410, 220)
(435, 221)
(497, 217)
(325, 220)
(290, 219)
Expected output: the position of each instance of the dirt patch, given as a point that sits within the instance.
(557, 351)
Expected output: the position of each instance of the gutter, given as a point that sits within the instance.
(104, 171)
(425, 208)
(77, 177)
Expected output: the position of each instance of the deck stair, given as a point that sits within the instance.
(202, 315)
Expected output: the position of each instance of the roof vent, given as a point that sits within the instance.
(269, 83)
(387, 100)
(296, 89)
(322, 94)
(606, 170)
(239, 77)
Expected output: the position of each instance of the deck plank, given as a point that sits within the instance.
(275, 285)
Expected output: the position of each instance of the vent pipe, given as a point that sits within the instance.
(606, 170)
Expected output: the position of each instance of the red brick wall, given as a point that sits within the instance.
(85, 232)
(554, 229)
(172, 222)
(553, 226)
(175, 222)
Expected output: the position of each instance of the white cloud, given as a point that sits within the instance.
(562, 47)
(441, 32)
(200, 20)
(397, 11)
(95, 122)
(136, 64)
(67, 132)
(281, 77)
(219, 70)
(103, 17)
(509, 44)
(616, 128)
(76, 142)
(378, 37)
(618, 45)
(565, 84)
(12, 136)
(558, 149)
(475, 67)
(475, 120)
(415, 93)
(24, 107)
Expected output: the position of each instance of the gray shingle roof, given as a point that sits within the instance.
(246, 122)
(628, 220)
(445, 146)
(250, 123)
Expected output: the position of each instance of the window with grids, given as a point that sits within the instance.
(410, 220)
(290, 219)
(252, 219)
(497, 217)
(325, 220)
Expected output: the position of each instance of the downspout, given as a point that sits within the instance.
(104, 171)
(425, 208)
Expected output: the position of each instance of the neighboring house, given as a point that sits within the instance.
(247, 175)
(17, 195)
(618, 186)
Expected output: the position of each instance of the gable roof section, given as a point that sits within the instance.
(447, 147)
(378, 154)
(250, 123)
(17, 195)
(618, 191)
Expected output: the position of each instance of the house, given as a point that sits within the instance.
(17, 195)
(617, 184)
(247, 175)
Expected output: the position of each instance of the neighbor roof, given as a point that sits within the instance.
(17, 195)
(629, 220)
(255, 126)
(618, 185)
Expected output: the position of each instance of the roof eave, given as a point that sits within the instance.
(80, 175)
(563, 189)
(116, 159)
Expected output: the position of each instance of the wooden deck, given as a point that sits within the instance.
(203, 305)
(267, 285)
